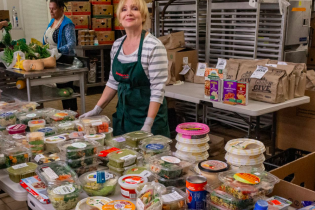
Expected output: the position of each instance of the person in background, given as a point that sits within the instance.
(60, 34)
(138, 74)
(3, 24)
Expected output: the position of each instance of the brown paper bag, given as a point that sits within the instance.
(245, 71)
(273, 62)
(232, 68)
(199, 79)
(189, 76)
(310, 80)
(300, 91)
(171, 79)
(291, 86)
(251, 61)
(285, 81)
(298, 70)
(173, 40)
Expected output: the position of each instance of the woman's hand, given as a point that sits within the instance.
(148, 123)
(3, 24)
(96, 111)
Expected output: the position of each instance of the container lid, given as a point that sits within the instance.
(46, 157)
(76, 145)
(47, 129)
(143, 171)
(18, 137)
(28, 115)
(131, 181)
(110, 130)
(119, 204)
(172, 195)
(21, 169)
(157, 138)
(192, 141)
(35, 136)
(95, 120)
(66, 125)
(92, 203)
(121, 170)
(168, 163)
(97, 180)
(192, 128)
(104, 153)
(77, 134)
(189, 156)
(245, 147)
(192, 147)
(245, 160)
(213, 166)
(36, 123)
(55, 139)
(261, 205)
(95, 137)
(7, 114)
(154, 146)
(123, 155)
(14, 151)
(137, 135)
(17, 127)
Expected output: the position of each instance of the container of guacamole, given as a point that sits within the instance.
(133, 138)
(21, 171)
(122, 158)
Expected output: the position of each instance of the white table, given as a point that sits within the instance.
(13, 189)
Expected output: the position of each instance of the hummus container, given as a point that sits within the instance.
(78, 148)
(95, 124)
(91, 203)
(133, 138)
(240, 160)
(157, 138)
(180, 139)
(211, 169)
(7, 118)
(237, 167)
(65, 127)
(100, 138)
(34, 125)
(119, 171)
(102, 156)
(49, 131)
(248, 147)
(51, 143)
(174, 199)
(64, 115)
(122, 158)
(16, 155)
(192, 130)
(36, 142)
(143, 171)
(192, 156)
(129, 183)
(119, 204)
(194, 148)
(21, 171)
(16, 129)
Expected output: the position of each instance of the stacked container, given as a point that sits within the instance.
(96, 124)
(155, 145)
(133, 139)
(122, 160)
(245, 152)
(192, 141)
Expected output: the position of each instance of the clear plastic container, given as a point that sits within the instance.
(143, 171)
(7, 118)
(16, 129)
(77, 135)
(21, 171)
(24, 118)
(65, 127)
(237, 167)
(36, 142)
(174, 199)
(192, 156)
(178, 182)
(190, 138)
(245, 160)
(64, 115)
(103, 154)
(149, 196)
(49, 131)
(34, 125)
(46, 157)
(183, 140)
(46, 113)
(118, 141)
(109, 134)
(91, 203)
(84, 161)
(157, 138)
(95, 124)
(133, 138)
(137, 149)
(122, 158)
(20, 140)
(51, 143)
(211, 169)
(248, 147)
(193, 148)
(100, 138)
(168, 166)
(129, 183)
(99, 183)
(154, 147)
(119, 171)
(84, 169)
(78, 148)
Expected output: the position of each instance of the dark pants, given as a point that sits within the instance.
(69, 103)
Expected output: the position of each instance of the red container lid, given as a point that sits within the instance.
(17, 127)
(104, 153)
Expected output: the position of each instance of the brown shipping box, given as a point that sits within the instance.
(102, 11)
(304, 173)
(81, 21)
(105, 37)
(104, 24)
(102, 2)
(296, 126)
(78, 8)
(177, 55)
(4, 15)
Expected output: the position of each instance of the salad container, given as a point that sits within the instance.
(174, 199)
(16, 129)
(51, 143)
(177, 182)
(36, 142)
(34, 125)
(79, 126)
(91, 203)
(84, 169)
(7, 118)
(109, 134)
(199, 156)
(78, 148)
(129, 183)
(77, 135)
(103, 155)
(211, 169)
(20, 140)
(46, 157)
(100, 138)
(24, 118)
(64, 115)
(99, 183)
(49, 131)
(247, 147)
(20, 171)
(46, 113)
(65, 127)
(154, 147)
(118, 142)
(95, 124)
(119, 171)
(122, 158)
(16, 155)
(143, 171)
(137, 149)
(84, 161)
(133, 138)
(193, 148)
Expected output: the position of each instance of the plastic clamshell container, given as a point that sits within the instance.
(154, 147)
(91, 203)
(191, 129)
(245, 160)
(122, 158)
(84, 161)
(174, 199)
(211, 169)
(149, 196)
(193, 148)
(143, 171)
(192, 156)
(119, 171)
(133, 138)
(46, 113)
(49, 131)
(247, 182)
(100, 138)
(16, 155)
(129, 183)
(95, 124)
(242, 146)
(118, 141)
(51, 143)
(21, 171)
(64, 115)
(84, 169)
(36, 142)
(157, 138)
(99, 183)
(212, 206)
(24, 118)
(78, 148)
(16, 129)
(7, 118)
(168, 166)
(34, 125)
(77, 135)
(65, 127)
(137, 149)
(114, 204)
(180, 139)
(102, 156)
(20, 140)
(46, 157)
(177, 182)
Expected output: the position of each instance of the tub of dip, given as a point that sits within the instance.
(211, 168)
(16, 129)
(129, 183)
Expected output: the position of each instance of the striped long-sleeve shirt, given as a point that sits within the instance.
(154, 63)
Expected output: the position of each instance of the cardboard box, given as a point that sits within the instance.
(101, 2)
(177, 55)
(296, 126)
(105, 37)
(102, 11)
(81, 21)
(4, 15)
(117, 25)
(303, 170)
(78, 8)
(104, 24)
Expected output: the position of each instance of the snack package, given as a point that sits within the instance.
(229, 91)
(36, 188)
(242, 93)
(207, 83)
(215, 89)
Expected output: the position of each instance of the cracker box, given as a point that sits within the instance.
(117, 25)
(102, 11)
(215, 72)
(77, 8)
(104, 24)
(229, 91)
(101, 2)
(81, 21)
(242, 93)
(105, 37)
(36, 188)
(215, 89)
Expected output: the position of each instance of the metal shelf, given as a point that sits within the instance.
(96, 84)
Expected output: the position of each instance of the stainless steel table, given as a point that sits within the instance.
(36, 90)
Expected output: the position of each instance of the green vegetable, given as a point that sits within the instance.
(6, 37)
(75, 153)
(63, 92)
(81, 162)
(70, 90)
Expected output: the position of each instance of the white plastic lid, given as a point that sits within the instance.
(244, 146)
(245, 160)
(131, 181)
(192, 148)
(192, 141)
(192, 156)
(33, 123)
(95, 137)
(55, 139)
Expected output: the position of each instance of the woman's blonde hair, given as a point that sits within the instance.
(143, 8)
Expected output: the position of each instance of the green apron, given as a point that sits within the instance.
(134, 98)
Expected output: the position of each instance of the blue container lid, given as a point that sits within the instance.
(261, 205)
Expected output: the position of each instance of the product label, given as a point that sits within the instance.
(174, 196)
(38, 157)
(96, 122)
(125, 193)
(282, 63)
(104, 153)
(64, 190)
(140, 205)
(22, 165)
(259, 72)
(18, 136)
(247, 178)
(31, 115)
(55, 138)
(145, 173)
(155, 146)
(186, 68)
(37, 122)
(96, 202)
(50, 173)
(79, 145)
(64, 124)
(170, 159)
(120, 139)
(45, 130)
(276, 202)
(100, 176)
(129, 159)
(133, 180)
(221, 63)
(214, 165)
(185, 60)
(201, 69)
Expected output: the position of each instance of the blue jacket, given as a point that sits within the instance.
(66, 37)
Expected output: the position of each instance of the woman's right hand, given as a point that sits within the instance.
(96, 111)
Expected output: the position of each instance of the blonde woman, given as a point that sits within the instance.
(138, 74)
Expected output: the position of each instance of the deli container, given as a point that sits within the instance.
(119, 171)
(24, 118)
(174, 199)
(20, 140)
(129, 183)
(149, 196)
(84, 169)
(46, 113)
(77, 135)
(133, 138)
(122, 158)
(99, 183)
(20, 171)
(157, 138)
(95, 124)
(211, 169)
(91, 203)
(36, 142)
(169, 166)
(192, 130)
(78, 126)
(143, 171)
(78, 148)
(34, 125)
(177, 182)
(137, 149)
(193, 148)
(51, 143)
(244, 159)
(102, 156)
(118, 141)
(84, 161)
(235, 167)
(64, 115)
(65, 127)
(198, 156)
(49, 131)
(100, 138)
(247, 147)
(7, 118)
(154, 147)
(16, 129)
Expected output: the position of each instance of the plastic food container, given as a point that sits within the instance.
(133, 148)
(103, 155)
(84, 161)
(109, 134)
(91, 203)
(174, 199)
(248, 147)
(46, 158)
(78, 148)
(143, 171)
(51, 143)
(278, 203)
(36, 142)
(113, 205)
(99, 183)
(118, 142)
(129, 183)
(193, 130)
(46, 113)
(65, 127)
(34, 125)
(192, 147)
(96, 124)
(149, 196)
(211, 169)
(122, 158)
(133, 138)
(192, 156)
(77, 135)
(178, 182)
(84, 169)
(64, 115)
(20, 171)
(154, 147)
(49, 131)
(168, 166)
(7, 118)
(20, 140)
(237, 167)
(119, 171)
(183, 140)
(245, 160)
(192, 137)
(16, 129)
(24, 118)
(157, 138)
(100, 138)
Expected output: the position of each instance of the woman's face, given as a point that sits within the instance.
(130, 16)
(55, 11)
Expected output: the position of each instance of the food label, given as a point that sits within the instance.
(174, 196)
(145, 173)
(201, 69)
(38, 157)
(96, 202)
(37, 122)
(79, 145)
(170, 159)
(55, 138)
(120, 139)
(276, 202)
(50, 173)
(155, 146)
(140, 205)
(282, 63)
(22, 165)
(96, 122)
(247, 178)
(129, 159)
(63, 190)
(221, 63)
(186, 68)
(104, 153)
(214, 165)
(31, 115)
(125, 193)
(133, 180)
(64, 124)
(100, 176)
(259, 72)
